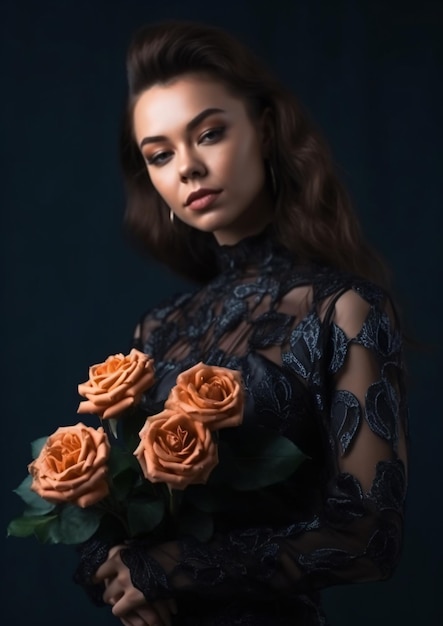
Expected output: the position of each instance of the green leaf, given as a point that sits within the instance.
(44, 532)
(28, 525)
(70, 524)
(36, 504)
(74, 524)
(256, 458)
(144, 516)
(37, 446)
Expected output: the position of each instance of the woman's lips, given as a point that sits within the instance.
(202, 199)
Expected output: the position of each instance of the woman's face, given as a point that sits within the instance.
(205, 156)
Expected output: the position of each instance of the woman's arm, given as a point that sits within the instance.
(357, 533)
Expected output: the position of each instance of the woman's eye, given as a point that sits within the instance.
(159, 158)
(212, 135)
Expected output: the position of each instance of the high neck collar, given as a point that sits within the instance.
(253, 251)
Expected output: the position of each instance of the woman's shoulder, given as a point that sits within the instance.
(357, 309)
(330, 283)
(328, 295)
(326, 284)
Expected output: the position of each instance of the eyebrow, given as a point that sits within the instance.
(189, 126)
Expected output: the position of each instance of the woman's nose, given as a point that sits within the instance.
(190, 166)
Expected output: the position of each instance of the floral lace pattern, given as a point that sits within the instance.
(320, 354)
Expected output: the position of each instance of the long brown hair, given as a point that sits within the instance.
(313, 216)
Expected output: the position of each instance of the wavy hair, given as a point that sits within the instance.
(313, 217)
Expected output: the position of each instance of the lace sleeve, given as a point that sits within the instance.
(92, 554)
(356, 534)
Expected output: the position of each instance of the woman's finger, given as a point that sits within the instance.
(153, 616)
(133, 620)
(109, 568)
(110, 597)
(113, 591)
(132, 602)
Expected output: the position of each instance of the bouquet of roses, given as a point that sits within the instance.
(167, 478)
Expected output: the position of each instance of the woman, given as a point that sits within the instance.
(229, 184)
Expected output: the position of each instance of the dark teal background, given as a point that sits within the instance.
(370, 73)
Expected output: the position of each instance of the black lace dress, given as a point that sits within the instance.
(320, 354)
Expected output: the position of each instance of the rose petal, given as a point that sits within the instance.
(176, 449)
(212, 395)
(117, 378)
(119, 407)
(100, 491)
(72, 464)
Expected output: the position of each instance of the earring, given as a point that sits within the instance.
(171, 216)
(273, 179)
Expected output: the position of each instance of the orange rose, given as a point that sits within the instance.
(176, 449)
(212, 395)
(71, 466)
(116, 384)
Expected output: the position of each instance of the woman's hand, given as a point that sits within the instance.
(128, 603)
